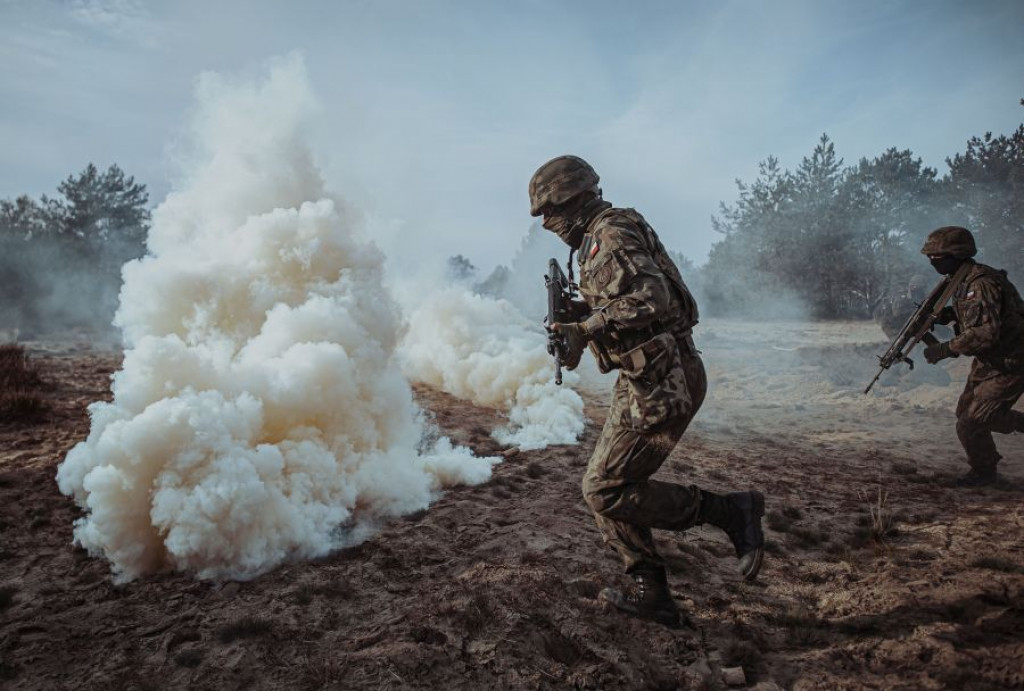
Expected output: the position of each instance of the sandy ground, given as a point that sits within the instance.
(879, 575)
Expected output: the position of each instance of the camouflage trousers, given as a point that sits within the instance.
(626, 503)
(986, 406)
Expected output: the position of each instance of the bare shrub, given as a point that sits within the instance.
(883, 521)
(20, 386)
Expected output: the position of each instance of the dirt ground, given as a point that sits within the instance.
(878, 575)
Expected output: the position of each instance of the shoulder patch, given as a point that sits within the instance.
(594, 248)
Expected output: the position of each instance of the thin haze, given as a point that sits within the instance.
(435, 114)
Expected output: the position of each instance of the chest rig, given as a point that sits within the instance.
(683, 314)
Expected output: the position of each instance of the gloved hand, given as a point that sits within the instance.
(573, 331)
(938, 351)
(576, 337)
(579, 309)
(946, 316)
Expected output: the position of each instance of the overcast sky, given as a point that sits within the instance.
(435, 113)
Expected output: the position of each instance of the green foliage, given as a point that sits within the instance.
(840, 240)
(988, 182)
(60, 258)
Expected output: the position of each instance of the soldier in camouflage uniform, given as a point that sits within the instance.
(637, 316)
(989, 324)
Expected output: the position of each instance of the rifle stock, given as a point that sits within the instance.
(919, 324)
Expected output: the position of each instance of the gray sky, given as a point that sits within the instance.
(434, 113)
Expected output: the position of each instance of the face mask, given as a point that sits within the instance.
(946, 265)
(571, 233)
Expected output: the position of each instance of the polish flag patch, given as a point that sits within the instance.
(593, 249)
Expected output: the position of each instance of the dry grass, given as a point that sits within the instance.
(322, 669)
(997, 564)
(883, 520)
(20, 386)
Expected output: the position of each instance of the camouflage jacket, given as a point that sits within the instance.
(990, 319)
(642, 315)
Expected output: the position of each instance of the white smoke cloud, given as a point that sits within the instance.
(483, 350)
(259, 415)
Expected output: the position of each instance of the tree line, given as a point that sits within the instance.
(837, 239)
(61, 257)
(833, 240)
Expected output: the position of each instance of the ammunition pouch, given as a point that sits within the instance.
(605, 363)
(655, 381)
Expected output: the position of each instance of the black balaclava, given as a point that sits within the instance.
(569, 221)
(947, 264)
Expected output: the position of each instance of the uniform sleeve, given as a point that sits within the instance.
(636, 292)
(978, 313)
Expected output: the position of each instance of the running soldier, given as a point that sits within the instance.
(988, 316)
(637, 317)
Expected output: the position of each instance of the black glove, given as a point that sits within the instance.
(573, 331)
(946, 316)
(576, 338)
(939, 351)
(579, 310)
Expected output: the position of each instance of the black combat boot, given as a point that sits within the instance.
(739, 515)
(977, 478)
(649, 598)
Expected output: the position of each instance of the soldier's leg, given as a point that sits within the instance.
(624, 500)
(986, 406)
(627, 504)
(616, 486)
(622, 448)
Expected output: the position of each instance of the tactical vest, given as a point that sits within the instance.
(682, 315)
(1011, 316)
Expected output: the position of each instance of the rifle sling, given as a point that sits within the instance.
(951, 287)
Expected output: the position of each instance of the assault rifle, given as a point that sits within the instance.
(560, 292)
(919, 324)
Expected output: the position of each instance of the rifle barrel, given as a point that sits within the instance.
(880, 370)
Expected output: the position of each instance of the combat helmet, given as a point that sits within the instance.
(950, 240)
(559, 180)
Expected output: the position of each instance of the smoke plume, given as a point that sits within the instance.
(483, 350)
(260, 414)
